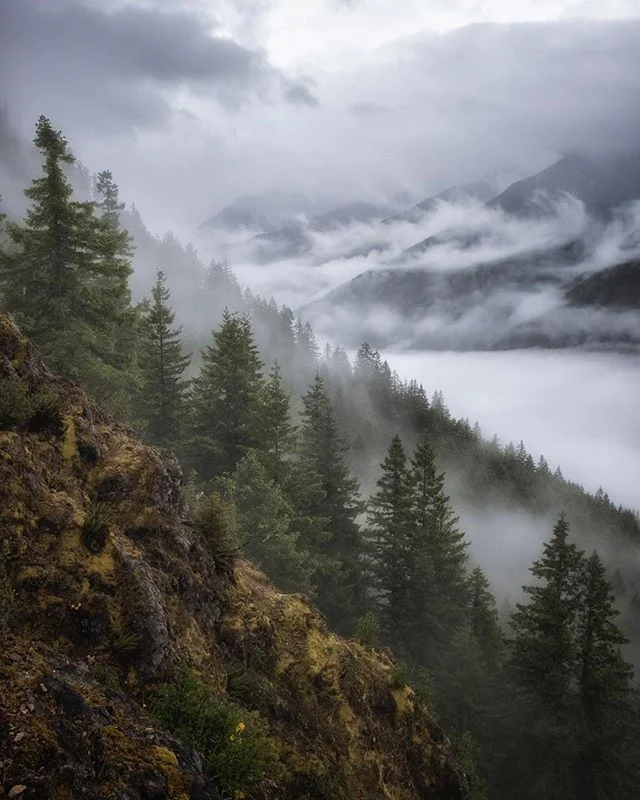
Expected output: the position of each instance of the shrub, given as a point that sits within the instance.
(368, 630)
(95, 527)
(20, 408)
(127, 643)
(214, 519)
(236, 749)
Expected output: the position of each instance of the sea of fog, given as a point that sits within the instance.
(581, 410)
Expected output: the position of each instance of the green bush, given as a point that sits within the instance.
(20, 408)
(95, 528)
(214, 519)
(368, 630)
(236, 749)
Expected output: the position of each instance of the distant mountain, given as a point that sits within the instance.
(412, 291)
(266, 212)
(480, 190)
(532, 300)
(365, 213)
(616, 287)
(602, 184)
(296, 238)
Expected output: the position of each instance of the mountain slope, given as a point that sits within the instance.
(107, 592)
(602, 184)
(616, 287)
(479, 190)
(265, 212)
(296, 238)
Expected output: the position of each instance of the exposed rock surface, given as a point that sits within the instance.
(106, 591)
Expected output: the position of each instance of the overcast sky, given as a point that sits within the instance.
(192, 103)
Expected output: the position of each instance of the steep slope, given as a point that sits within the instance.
(616, 287)
(266, 211)
(602, 184)
(480, 190)
(107, 592)
(296, 238)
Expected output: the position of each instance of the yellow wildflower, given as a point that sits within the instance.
(240, 727)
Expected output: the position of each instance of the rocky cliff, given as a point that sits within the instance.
(109, 599)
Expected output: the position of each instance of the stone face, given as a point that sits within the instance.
(106, 592)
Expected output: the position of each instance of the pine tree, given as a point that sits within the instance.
(163, 393)
(443, 556)
(226, 399)
(579, 736)
(278, 433)
(58, 280)
(605, 766)
(543, 661)
(322, 451)
(264, 526)
(119, 323)
(545, 648)
(392, 539)
(482, 616)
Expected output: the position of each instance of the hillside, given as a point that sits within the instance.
(602, 184)
(108, 593)
(615, 287)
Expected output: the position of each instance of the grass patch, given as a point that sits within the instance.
(20, 408)
(238, 754)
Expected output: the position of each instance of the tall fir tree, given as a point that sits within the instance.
(279, 436)
(391, 532)
(608, 763)
(226, 399)
(543, 661)
(441, 550)
(57, 278)
(119, 322)
(163, 393)
(545, 648)
(322, 451)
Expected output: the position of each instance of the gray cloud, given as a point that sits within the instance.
(299, 94)
(368, 109)
(421, 114)
(118, 66)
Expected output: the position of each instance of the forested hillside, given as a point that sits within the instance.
(342, 482)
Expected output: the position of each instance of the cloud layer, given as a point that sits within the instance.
(104, 67)
(190, 104)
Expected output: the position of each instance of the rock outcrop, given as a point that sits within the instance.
(107, 593)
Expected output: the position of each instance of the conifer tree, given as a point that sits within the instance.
(443, 556)
(45, 282)
(58, 279)
(226, 399)
(605, 767)
(278, 433)
(578, 727)
(482, 616)
(392, 544)
(163, 392)
(119, 322)
(545, 647)
(322, 451)
(544, 657)
(264, 526)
